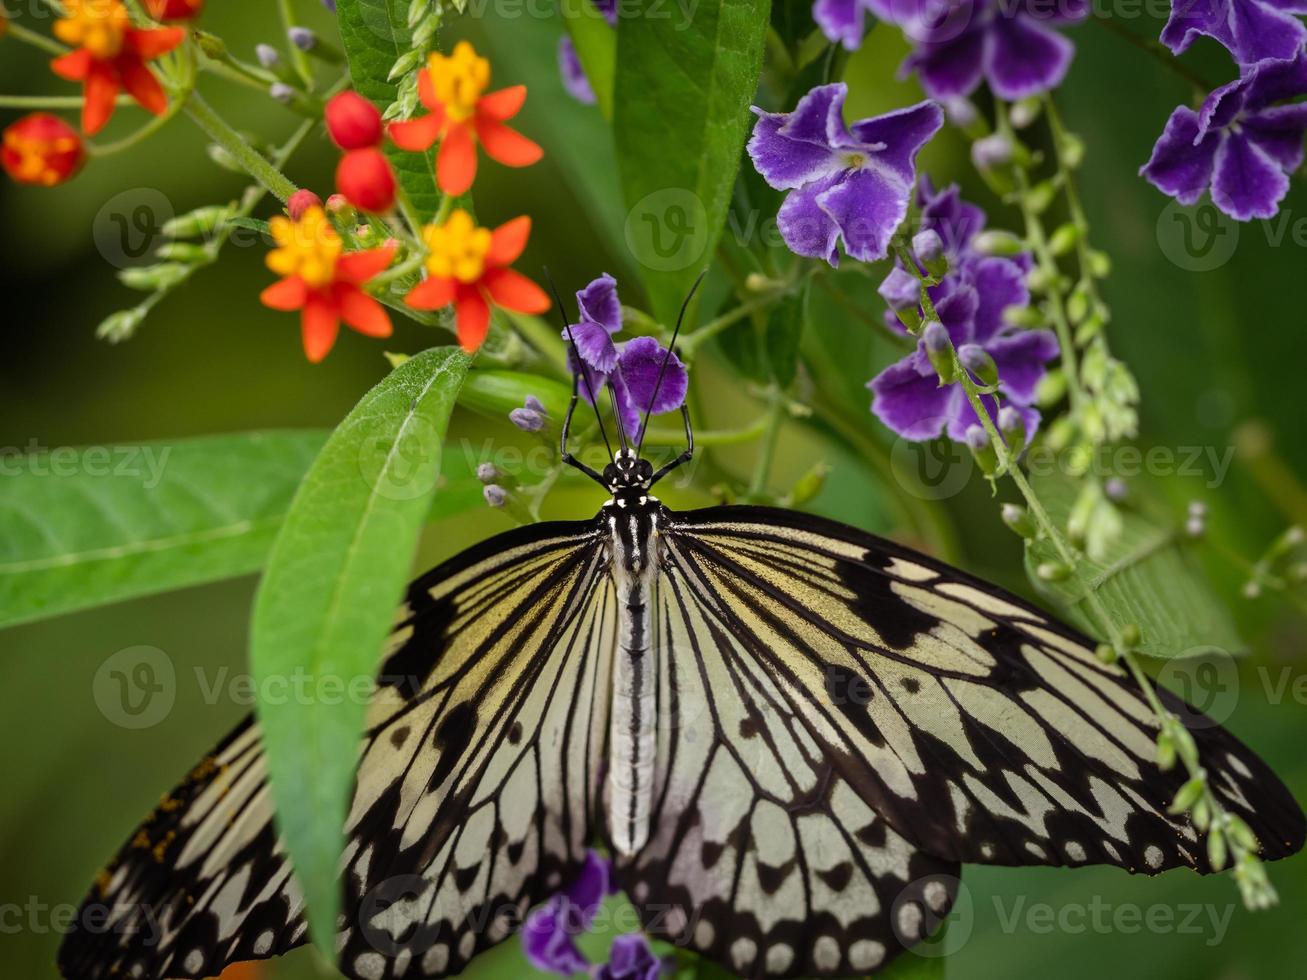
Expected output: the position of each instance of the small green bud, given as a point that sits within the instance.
(1019, 520)
(120, 326)
(1002, 243)
(1188, 794)
(211, 45)
(193, 224)
(183, 252)
(1072, 151)
(809, 485)
(1025, 112)
(1106, 653)
(1026, 317)
(1051, 388)
(1013, 427)
(395, 359)
(977, 360)
(417, 10)
(152, 278)
(940, 351)
(1217, 852)
(1053, 571)
(1039, 197)
(1165, 750)
(982, 449)
(929, 250)
(1100, 264)
(1131, 637)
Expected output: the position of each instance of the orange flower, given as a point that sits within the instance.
(324, 282)
(41, 149)
(174, 9)
(467, 266)
(111, 55)
(461, 116)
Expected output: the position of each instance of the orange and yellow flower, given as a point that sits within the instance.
(111, 56)
(462, 116)
(324, 282)
(468, 266)
(41, 149)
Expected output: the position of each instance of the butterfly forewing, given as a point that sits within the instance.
(979, 728)
(476, 786)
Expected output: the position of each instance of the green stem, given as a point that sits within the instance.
(710, 437)
(53, 101)
(770, 436)
(1157, 50)
(298, 59)
(272, 179)
(28, 36)
(408, 212)
(690, 344)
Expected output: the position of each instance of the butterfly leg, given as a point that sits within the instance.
(566, 456)
(685, 456)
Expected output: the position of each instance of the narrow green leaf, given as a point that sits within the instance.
(1145, 575)
(327, 600)
(596, 47)
(88, 526)
(376, 35)
(496, 393)
(685, 80)
(252, 224)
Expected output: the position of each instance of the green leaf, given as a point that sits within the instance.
(327, 600)
(252, 224)
(496, 393)
(784, 330)
(376, 35)
(1145, 574)
(84, 527)
(685, 80)
(596, 47)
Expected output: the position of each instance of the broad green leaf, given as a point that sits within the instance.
(596, 47)
(1145, 575)
(685, 79)
(88, 526)
(376, 35)
(327, 600)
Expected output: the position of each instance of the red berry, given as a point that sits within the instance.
(365, 178)
(300, 202)
(41, 149)
(353, 121)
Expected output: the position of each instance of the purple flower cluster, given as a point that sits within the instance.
(569, 63)
(847, 183)
(1247, 137)
(633, 371)
(971, 302)
(550, 933)
(1011, 44)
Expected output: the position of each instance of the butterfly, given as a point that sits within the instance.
(788, 733)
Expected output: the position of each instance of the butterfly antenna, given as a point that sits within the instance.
(662, 370)
(617, 414)
(585, 376)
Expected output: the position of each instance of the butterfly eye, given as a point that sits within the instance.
(611, 474)
(645, 469)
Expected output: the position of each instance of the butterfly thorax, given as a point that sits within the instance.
(633, 521)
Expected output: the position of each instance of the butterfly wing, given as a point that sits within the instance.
(762, 855)
(978, 727)
(477, 782)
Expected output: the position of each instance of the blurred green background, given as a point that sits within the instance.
(1217, 353)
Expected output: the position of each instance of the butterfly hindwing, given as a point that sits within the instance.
(478, 775)
(762, 856)
(979, 728)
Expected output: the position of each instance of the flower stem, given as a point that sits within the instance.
(20, 33)
(298, 58)
(220, 131)
(690, 343)
(53, 101)
(770, 436)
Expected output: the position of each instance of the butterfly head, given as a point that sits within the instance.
(628, 474)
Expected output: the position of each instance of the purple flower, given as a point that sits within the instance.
(842, 21)
(1241, 143)
(1011, 44)
(1251, 30)
(569, 62)
(630, 959)
(549, 935)
(957, 222)
(907, 395)
(633, 371)
(848, 182)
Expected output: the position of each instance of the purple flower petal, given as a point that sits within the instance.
(783, 162)
(951, 69)
(631, 958)
(842, 21)
(900, 289)
(867, 206)
(1275, 81)
(818, 117)
(1246, 182)
(599, 303)
(1000, 283)
(956, 221)
(956, 301)
(1182, 162)
(641, 363)
(1279, 131)
(805, 226)
(1024, 58)
(1251, 30)
(902, 133)
(914, 405)
(594, 345)
(1021, 358)
(574, 77)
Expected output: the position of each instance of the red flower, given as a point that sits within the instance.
(174, 9)
(111, 55)
(365, 178)
(41, 149)
(353, 122)
(467, 266)
(461, 117)
(301, 201)
(323, 282)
